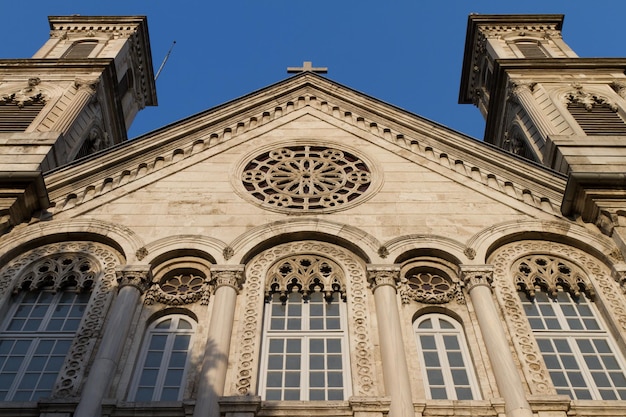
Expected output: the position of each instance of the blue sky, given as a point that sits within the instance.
(405, 52)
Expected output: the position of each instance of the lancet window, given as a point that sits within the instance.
(580, 354)
(305, 352)
(37, 332)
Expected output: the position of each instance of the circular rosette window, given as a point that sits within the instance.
(306, 178)
(431, 287)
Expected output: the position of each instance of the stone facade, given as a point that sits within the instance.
(308, 250)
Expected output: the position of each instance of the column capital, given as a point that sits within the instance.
(227, 275)
(138, 276)
(476, 275)
(88, 85)
(381, 275)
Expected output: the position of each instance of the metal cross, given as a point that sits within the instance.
(307, 66)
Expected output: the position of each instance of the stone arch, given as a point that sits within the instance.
(102, 291)
(249, 244)
(123, 239)
(598, 276)
(488, 240)
(211, 249)
(359, 303)
(403, 247)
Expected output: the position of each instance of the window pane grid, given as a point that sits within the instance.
(164, 362)
(444, 359)
(37, 336)
(578, 352)
(304, 362)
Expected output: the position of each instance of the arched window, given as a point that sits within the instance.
(40, 324)
(163, 362)
(446, 365)
(580, 354)
(80, 49)
(305, 352)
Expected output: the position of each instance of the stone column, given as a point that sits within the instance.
(133, 281)
(478, 281)
(522, 92)
(85, 90)
(383, 279)
(227, 281)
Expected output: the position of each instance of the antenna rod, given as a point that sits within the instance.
(164, 61)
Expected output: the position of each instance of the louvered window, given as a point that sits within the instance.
(531, 50)
(80, 50)
(14, 118)
(601, 120)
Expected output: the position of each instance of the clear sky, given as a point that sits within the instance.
(405, 52)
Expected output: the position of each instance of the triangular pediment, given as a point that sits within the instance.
(175, 147)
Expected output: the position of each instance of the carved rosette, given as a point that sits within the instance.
(179, 289)
(476, 276)
(429, 288)
(102, 262)
(596, 275)
(25, 96)
(385, 275)
(362, 361)
(137, 276)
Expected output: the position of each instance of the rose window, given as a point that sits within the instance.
(427, 287)
(312, 178)
(182, 284)
(180, 287)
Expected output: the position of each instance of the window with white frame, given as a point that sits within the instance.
(35, 337)
(446, 365)
(164, 360)
(581, 356)
(305, 349)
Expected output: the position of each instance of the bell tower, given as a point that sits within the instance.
(544, 103)
(77, 95)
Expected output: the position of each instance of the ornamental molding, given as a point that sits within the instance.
(180, 289)
(75, 256)
(31, 94)
(362, 360)
(132, 171)
(596, 276)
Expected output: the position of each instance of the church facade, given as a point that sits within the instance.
(307, 250)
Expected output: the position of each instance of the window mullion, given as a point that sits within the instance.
(445, 365)
(34, 342)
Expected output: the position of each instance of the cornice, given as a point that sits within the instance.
(409, 135)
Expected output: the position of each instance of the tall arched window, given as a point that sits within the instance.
(40, 325)
(580, 354)
(305, 352)
(164, 358)
(446, 365)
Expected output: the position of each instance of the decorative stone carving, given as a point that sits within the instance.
(58, 271)
(141, 253)
(470, 253)
(619, 87)
(178, 289)
(474, 276)
(137, 276)
(361, 347)
(505, 290)
(429, 288)
(379, 276)
(228, 276)
(102, 261)
(306, 178)
(549, 273)
(383, 252)
(26, 96)
(228, 252)
(88, 85)
(305, 274)
(580, 96)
